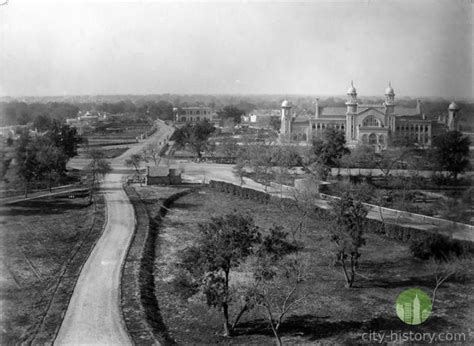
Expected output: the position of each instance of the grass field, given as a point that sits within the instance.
(41, 240)
(332, 313)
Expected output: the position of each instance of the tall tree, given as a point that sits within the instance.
(451, 152)
(98, 167)
(347, 234)
(326, 152)
(51, 160)
(231, 112)
(195, 136)
(26, 158)
(66, 138)
(225, 243)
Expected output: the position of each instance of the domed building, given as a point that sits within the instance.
(372, 124)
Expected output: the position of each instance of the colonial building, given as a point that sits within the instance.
(192, 114)
(364, 123)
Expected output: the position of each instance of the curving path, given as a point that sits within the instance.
(94, 315)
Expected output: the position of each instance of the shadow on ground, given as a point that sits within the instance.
(44, 207)
(314, 328)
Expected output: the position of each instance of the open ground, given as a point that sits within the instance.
(44, 244)
(332, 313)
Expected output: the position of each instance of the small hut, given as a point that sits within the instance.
(162, 176)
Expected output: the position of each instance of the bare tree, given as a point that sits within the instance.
(279, 290)
(442, 270)
(304, 195)
(152, 152)
(97, 167)
(347, 234)
(135, 161)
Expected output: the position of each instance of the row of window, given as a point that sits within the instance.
(196, 112)
(371, 121)
(412, 127)
(322, 126)
(184, 119)
(419, 138)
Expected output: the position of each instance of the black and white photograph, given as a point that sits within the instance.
(241, 172)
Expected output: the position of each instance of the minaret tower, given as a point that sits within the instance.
(453, 111)
(389, 99)
(285, 127)
(351, 102)
(351, 113)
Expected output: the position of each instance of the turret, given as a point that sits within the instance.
(285, 127)
(453, 111)
(351, 102)
(316, 108)
(389, 99)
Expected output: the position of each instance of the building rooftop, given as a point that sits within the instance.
(400, 110)
(158, 171)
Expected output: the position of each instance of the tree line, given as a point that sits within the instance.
(43, 156)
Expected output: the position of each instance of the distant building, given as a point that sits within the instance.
(193, 114)
(87, 120)
(370, 124)
(162, 176)
(260, 118)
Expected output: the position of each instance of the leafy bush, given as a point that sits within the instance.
(438, 247)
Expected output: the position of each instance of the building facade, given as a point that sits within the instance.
(370, 124)
(192, 114)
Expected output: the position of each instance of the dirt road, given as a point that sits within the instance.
(93, 315)
(198, 172)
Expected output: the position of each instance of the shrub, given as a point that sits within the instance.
(436, 246)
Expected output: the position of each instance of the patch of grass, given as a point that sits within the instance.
(332, 314)
(40, 241)
(114, 152)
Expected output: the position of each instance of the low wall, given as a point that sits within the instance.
(459, 231)
(393, 172)
(388, 212)
(139, 304)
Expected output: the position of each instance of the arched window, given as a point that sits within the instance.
(303, 137)
(382, 139)
(364, 139)
(372, 138)
(371, 121)
(198, 118)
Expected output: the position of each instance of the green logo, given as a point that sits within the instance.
(413, 306)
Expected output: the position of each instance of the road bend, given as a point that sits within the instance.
(94, 315)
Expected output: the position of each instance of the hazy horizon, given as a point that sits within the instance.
(113, 48)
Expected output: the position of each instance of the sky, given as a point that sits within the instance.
(423, 47)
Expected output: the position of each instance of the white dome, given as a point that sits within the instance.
(389, 90)
(286, 103)
(453, 106)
